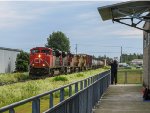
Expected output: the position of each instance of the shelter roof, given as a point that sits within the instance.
(135, 11)
(110, 11)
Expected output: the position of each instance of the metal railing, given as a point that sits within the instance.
(81, 99)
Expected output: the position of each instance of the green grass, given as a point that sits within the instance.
(106, 67)
(22, 90)
(134, 76)
(60, 78)
(130, 70)
(80, 75)
(10, 78)
(44, 105)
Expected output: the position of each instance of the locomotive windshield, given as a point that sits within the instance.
(35, 51)
(45, 51)
(40, 51)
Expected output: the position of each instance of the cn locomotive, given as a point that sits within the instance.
(45, 61)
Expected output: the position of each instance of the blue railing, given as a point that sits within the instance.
(82, 96)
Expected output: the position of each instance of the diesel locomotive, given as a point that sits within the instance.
(45, 61)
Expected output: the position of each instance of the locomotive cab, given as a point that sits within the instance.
(40, 60)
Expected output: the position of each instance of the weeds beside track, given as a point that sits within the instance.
(19, 91)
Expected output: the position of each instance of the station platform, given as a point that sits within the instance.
(123, 99)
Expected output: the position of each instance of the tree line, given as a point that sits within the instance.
(129, 57)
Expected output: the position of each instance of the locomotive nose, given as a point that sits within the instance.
(39, 61)
(36, 60)
(39, 56)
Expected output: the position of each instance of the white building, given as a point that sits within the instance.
(137, 62)
(122, 64)
(8, 59)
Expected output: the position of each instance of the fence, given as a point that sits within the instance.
(130, 76)
(82, 96)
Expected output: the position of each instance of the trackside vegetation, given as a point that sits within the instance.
(22, 90)
(9, 78)
(22, 62)
(60, 78)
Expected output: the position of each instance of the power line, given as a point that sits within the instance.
(109, 46)
(101, 52)
(76, 48)
(121, 55)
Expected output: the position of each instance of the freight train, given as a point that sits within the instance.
(45, 61)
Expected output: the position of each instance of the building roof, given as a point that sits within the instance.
(110, 11)
(136, 60)
(10, 49)
(130, 13)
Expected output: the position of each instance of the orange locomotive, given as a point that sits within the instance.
(45, 61)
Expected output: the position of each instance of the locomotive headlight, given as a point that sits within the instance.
(43, 64)
(39, 56)
(32, 64)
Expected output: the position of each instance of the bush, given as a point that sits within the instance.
(79, 75)
(22, 62)
(22, 76)
(60, 78)
(10, 78)
(106, 67)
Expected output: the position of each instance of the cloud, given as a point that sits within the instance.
(11, 16)
(16, 14)
(20, 13)
(128, 33)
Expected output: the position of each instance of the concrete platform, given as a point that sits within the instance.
(123, 99)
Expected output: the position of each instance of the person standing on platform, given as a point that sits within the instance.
(114, 69)
(112, 72)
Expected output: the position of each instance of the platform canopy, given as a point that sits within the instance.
(136, 11)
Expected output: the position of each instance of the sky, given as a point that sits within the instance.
(28, 24)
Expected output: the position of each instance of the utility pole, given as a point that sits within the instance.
(121, 55)
(76, 48)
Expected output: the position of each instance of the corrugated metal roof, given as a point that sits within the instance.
(107, 14)
(10, 49)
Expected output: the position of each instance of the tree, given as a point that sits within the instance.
(58, 40)
(127, 58)
(104, 57)
(22, 62)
